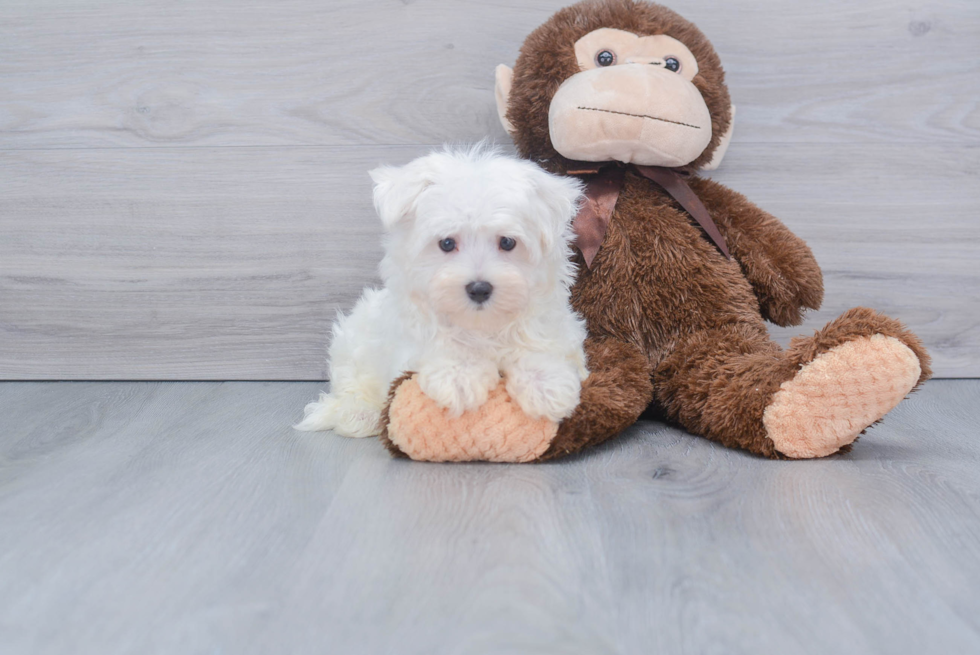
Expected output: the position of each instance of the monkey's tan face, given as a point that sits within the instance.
(633, 102)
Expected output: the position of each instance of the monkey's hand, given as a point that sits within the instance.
(778, 264)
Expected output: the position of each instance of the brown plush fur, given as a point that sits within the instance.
(385, 419)
(671, 321)
(618, 388)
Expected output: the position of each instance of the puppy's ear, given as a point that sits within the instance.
(396, 190)
(558, 198)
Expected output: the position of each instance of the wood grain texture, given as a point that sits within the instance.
(222, 263)
(189, 518)
(184, 190)
(354, 72)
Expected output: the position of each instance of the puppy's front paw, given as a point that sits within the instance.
(544, 387)
(458, 386)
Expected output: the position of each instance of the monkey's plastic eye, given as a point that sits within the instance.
(506, 243)
(672, 64)
(605, 58)
(447, 245)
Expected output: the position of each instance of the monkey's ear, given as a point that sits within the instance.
(396, 190)
(501, 90)
(722, 148)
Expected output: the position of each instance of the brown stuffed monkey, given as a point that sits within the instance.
(677, 273)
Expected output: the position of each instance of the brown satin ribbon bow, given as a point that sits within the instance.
(602, 189)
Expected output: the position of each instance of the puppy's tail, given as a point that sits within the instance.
(349, 419)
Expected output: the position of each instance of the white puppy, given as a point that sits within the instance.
(477, 275)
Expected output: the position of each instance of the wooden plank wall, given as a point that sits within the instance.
(183, 188)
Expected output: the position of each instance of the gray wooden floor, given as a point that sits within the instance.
(189, 518)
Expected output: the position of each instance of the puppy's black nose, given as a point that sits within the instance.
(479, 291)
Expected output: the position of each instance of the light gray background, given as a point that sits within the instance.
(184, 192)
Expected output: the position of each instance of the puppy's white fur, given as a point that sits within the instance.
(424, 320)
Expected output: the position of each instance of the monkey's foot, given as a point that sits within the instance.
(498, 431)
(841, 392)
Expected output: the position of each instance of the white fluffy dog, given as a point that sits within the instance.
(477, 275)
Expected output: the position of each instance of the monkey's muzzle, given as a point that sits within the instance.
(633, 113)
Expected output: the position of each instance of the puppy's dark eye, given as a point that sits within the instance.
(672, 64)
(506, 243)
(605, 58)
(447, 245)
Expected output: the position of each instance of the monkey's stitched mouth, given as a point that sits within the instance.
(653, 118)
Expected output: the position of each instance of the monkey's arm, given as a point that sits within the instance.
(777, 263)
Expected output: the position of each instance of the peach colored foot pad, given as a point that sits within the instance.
(839, 394)
(496, 432)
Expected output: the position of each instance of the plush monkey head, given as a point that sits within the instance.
(617, 80)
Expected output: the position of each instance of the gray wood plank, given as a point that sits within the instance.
(350, 72)
(203, 263)
(184, 193)
(188, 517)
(225, 263)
